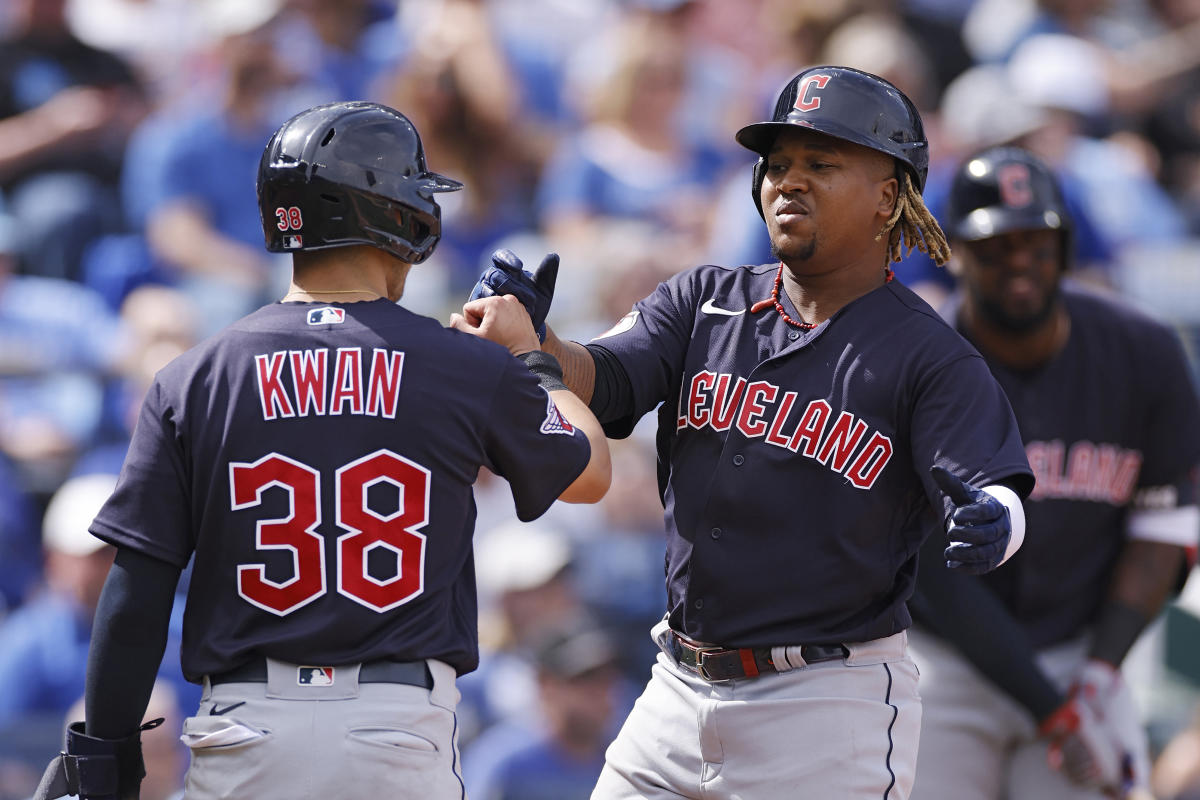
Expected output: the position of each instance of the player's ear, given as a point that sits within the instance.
(889, 189)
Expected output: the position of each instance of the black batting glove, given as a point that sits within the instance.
(979, 526)
(534, 289)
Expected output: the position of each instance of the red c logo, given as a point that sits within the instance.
(803, 100)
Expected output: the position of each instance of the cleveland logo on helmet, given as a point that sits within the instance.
(847, 104)
(806, 97)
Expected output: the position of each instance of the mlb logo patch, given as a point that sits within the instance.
(326, 316)
(314, 676)
(293, 242)
(555, 422)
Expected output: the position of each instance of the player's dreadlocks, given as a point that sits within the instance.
(911, 225)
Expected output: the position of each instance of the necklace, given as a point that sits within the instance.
(773, 300)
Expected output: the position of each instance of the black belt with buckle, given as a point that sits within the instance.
(714, 663)
(412, 673)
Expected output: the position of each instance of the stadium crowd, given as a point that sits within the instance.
(130, 133)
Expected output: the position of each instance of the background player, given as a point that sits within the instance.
(1026, 658)
(801, 406)
(316, 458)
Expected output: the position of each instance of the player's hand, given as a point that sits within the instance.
(535, 290)
(502, 320)
(979, 527)
(1083, 748)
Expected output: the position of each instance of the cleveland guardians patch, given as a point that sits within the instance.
(555, 422)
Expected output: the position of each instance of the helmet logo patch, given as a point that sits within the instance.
(289, 218)
(293, 242)
(807, 98)
(1014, 183)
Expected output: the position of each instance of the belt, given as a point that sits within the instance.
(715, 663)
(412, 673)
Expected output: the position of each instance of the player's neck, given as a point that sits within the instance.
(819, 297)
(1019, 350)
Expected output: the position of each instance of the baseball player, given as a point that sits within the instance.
(817, 420)
(1023, 692)
(316, 459)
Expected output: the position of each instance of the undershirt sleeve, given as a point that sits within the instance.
(612, 393)
(963, 611)
(129, 637)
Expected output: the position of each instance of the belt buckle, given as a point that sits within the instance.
(700, 651)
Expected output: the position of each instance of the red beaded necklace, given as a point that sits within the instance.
(773, 300)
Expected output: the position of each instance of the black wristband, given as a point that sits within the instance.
(546, 367)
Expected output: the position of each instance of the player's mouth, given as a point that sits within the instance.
(790, 209)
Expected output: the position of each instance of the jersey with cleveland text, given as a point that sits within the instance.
(794, 465)
(318, 461)
(1111, 425)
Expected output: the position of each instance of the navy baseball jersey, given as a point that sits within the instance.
(794, 465)
(318, 460)
(1111, 425)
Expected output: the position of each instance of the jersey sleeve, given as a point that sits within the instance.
(1172, 436)
(650, 343)
(963, 421)
(149, 508)
(531, 444)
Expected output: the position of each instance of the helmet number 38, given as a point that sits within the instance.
(289, 218)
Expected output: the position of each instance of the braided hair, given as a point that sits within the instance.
(911, 225)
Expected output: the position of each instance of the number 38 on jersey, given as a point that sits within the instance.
(367, 529)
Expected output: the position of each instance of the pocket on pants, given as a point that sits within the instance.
(208, 733)
(392, 739)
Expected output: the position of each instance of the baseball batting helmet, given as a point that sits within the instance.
(350, 173)
(1003, 189)
(847, 104)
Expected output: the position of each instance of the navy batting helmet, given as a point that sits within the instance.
(350, 173)
(1003, 189)
(848, 104)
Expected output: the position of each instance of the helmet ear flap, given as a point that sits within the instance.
(760, 171)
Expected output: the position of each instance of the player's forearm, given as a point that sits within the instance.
(1142, 580)
(593, 482)
(128, 640)
(579, 371)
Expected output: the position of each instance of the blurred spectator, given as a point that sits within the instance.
(159, 39)
(341, 45)
(20, 551)
(160, 323)
(65, 112)
(44, 644)
(629, 163)
(58, 341)
(1065, 78)
(455, 83)
(618, 563)
(559, 756)
(198, 186)
(525, 588)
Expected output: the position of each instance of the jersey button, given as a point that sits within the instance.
(699, 604)
(716, 533)
(793, 335)
(738, 460)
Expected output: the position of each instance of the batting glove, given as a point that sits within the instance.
(534, 289)
(1085, 750)
(979, 527)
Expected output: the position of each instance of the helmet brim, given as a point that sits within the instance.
(432, 182)
(984, 223)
